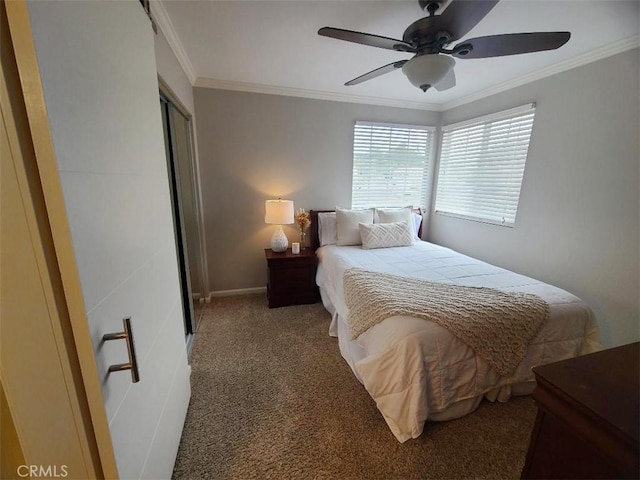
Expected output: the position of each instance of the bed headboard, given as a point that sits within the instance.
(315, 239)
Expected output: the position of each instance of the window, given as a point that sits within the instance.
(391, 165)
(482, 165)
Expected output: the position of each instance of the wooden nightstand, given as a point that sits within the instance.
(291, 278)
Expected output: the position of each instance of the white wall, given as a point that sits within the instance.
(100, 83)
(578, 219)
(171, 72)
(254, 147)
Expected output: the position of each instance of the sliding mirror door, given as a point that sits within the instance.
(180, 159)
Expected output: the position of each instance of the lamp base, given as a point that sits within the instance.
(279, 241)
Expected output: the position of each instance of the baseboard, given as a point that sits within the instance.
(238, 291)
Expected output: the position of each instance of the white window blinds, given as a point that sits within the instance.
(482, 164)
(391, 165)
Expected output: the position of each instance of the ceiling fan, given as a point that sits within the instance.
(432, 64)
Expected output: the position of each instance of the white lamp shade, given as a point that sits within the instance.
(426, 71)
(278, 212)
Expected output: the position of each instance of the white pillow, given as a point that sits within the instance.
(391, 215)
(383, 235)
(417, 221)
(347, 222)
(327, 232)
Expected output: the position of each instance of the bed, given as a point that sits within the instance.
(416, 370)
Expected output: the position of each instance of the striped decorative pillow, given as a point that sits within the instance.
(383, 235)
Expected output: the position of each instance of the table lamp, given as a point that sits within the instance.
(278, 212)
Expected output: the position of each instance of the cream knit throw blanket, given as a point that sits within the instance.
(497, 325)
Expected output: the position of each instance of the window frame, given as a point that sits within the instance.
(485, 122)
(425, 176)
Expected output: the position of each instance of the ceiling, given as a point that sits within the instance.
(272, 46)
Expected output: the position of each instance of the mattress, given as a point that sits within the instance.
(416, 370)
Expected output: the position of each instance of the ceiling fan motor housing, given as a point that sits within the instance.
(421, 36)
(430, 6)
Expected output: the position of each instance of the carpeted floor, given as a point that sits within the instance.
(273, 398)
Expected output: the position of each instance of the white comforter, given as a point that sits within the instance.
(416, 370)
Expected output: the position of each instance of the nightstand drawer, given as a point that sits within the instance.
(293, 278)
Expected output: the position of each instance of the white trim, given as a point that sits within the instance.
(428, 128)
(475, 219)
(204, 258)
(238, 291)
(166, 26)
(584, 59)
(166, 90)
(314, 94)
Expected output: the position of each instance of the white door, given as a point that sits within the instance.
(53, 417)
(98, 74)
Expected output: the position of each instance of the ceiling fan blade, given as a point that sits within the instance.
(462, 15)
(513, 44)
(449, 81)
(377, 72)
(366, 39)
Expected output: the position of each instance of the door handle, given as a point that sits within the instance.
(127, 335)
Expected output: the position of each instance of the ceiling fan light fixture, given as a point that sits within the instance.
(425, 71)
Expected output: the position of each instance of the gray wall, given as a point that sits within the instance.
(255, 147)
(99, 77)
(578, 218)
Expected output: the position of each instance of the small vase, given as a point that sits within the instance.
(303, 236)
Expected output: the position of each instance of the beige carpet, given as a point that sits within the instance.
(273, 398)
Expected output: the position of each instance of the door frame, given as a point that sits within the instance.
(168, 93)
(178, 222)
(169, 100)
(70, 328)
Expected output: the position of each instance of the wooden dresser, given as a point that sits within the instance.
(588, 417)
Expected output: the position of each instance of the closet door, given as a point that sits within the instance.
(178, 147)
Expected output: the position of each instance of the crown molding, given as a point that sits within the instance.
(166, 26)
(314, 94)
(164, 22)
(584, 59)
